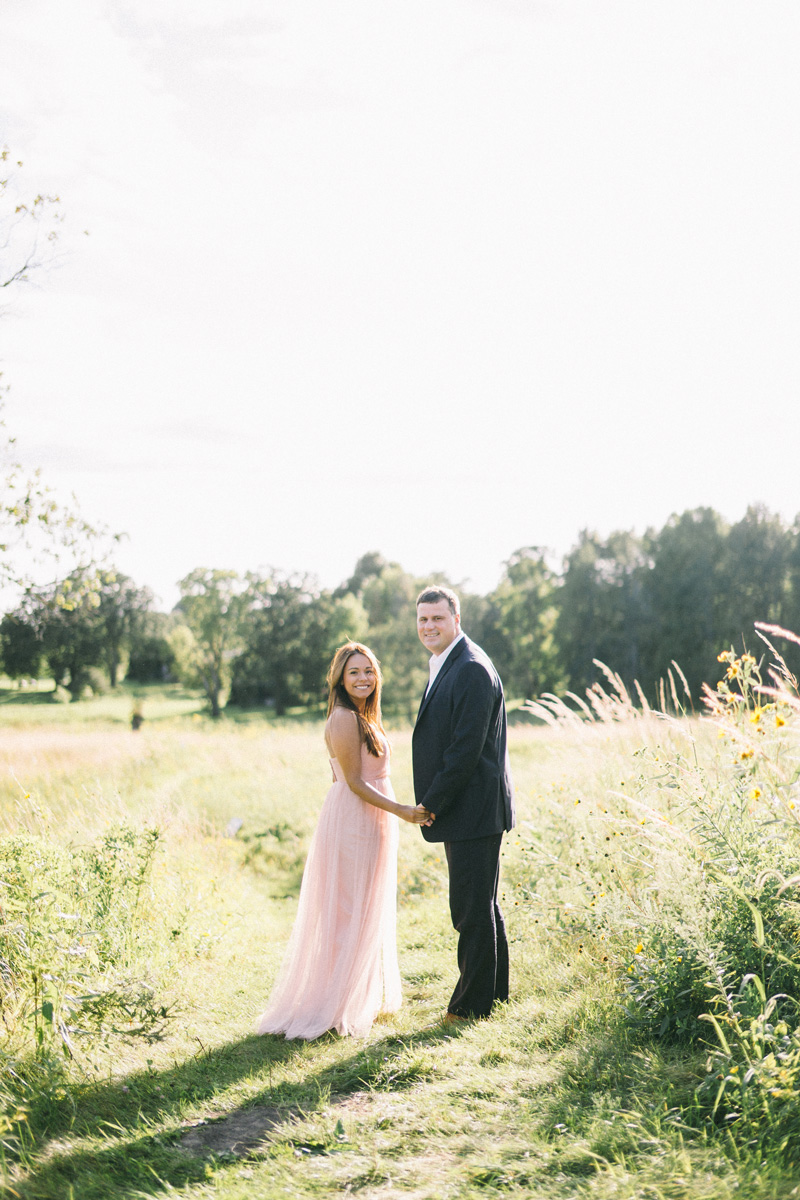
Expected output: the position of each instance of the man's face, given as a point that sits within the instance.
(437, 626)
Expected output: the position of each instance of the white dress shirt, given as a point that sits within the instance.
(437, 661)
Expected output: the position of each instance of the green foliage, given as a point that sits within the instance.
(524, 611)
(212, 604)
(642, 603)
(752, 1077)
(387, 595)
(20, 647)
(79, 625)
(69, 922)
(676, 594)
(757, 574)
(70, 632)
(686, 873)
(601, 608)
(683, 590)
(290, 630)
(742, 845)
(122, 612)
(150, 657)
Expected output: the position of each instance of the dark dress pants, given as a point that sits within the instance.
(474, 868)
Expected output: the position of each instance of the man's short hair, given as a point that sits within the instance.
(435, 593)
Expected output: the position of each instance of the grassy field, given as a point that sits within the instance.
(193, 834)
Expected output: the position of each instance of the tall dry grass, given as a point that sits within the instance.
(677, 875)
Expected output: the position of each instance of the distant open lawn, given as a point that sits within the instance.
(559, 1095)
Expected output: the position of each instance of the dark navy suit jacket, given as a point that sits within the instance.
(461, 770)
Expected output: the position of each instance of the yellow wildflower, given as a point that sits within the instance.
(748, 752)
(779, 720)
(755, 794)
(639, 948)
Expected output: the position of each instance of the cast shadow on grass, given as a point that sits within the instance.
(142, 1116)
(616, 1096)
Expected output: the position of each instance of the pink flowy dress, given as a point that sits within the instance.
(340, 968)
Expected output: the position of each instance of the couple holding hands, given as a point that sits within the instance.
(340, 968)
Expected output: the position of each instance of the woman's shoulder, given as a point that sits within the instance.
(343, 721)
(342, 716)
(341, 730)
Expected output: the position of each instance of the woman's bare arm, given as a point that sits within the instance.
(345, 741)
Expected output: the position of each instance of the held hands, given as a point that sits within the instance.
(418, 815)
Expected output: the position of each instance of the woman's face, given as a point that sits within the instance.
(359, 679)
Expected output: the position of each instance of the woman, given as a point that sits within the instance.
(340, 968)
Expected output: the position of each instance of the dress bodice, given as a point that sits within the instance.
(371, 767)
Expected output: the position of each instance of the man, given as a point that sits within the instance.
(462, 777)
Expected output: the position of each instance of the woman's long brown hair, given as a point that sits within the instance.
(370, 723)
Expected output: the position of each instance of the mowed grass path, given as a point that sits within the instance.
(554, 1096)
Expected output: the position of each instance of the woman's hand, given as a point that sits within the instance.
(417, 816)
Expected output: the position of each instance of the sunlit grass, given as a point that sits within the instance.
(559, 1095)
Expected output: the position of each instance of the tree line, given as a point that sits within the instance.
(635, 602)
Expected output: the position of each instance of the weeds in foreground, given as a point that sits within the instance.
(681, 883)
(70, 975)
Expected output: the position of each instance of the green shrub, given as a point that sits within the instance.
(68, 921)
(753, 1077)
(682, 877)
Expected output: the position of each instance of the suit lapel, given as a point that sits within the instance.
(448, 662)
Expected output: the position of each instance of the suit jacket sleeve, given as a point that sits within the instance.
(473, 702)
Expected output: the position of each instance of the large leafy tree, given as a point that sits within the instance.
(121, 612)
(521, 618)
(72, 639)
(602, 607)
(388, 595)
(755, 576)
(21, 649)
(61, 620)
(151, 658)
(212, 604)
(74, 625)
(684, 592)
(290, 629)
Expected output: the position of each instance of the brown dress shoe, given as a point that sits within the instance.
(454, 1019)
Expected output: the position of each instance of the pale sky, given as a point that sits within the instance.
(439, 278)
